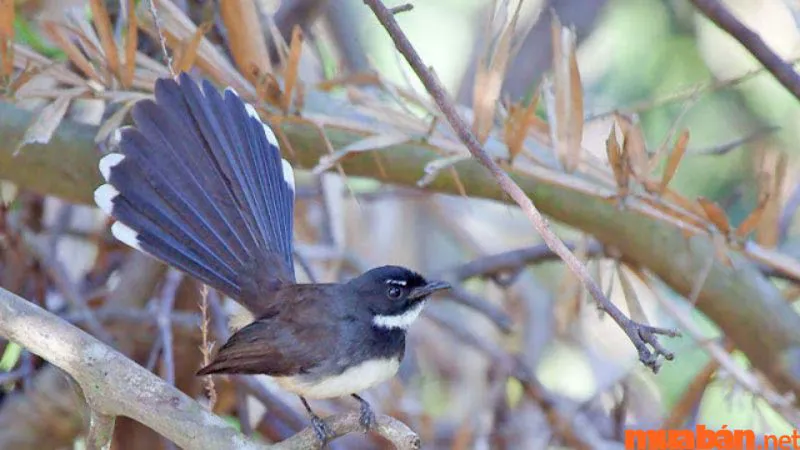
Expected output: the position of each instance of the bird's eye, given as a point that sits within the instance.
(394, 292)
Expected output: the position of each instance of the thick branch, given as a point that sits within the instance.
(745, 305)
(112, 384)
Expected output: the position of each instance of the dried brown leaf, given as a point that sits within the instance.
(520, 119)
(106, 33)
(618, 161)
(715, 214)
(269, 90)
(771, 179)
(753, 219)
(6, 38)
(45, 123)
(635, 146)
(568, 97)
(292, 67)
(489, 80)
(674, 160)
(188, 52)
(131, 43)
(249, 49)
(75, 55)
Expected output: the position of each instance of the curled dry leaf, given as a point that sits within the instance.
(6, 38)
(568, 97)
(519, 121)
(45, 123)
(292, 68)
(635, 146)
(674, 160)
(75, 55)
(131, 43)
(376, 142)
(241, 19)
(106, 34)
(618, 161)
(188, 49)
(753, 219)
(771, 179)
(268, 89)
(716, 215)
(489, 80)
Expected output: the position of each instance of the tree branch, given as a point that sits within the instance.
(113, 385)
(640, 335)
(780, 69)
(739, 299)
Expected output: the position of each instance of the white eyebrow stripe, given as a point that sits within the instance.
(397, 282)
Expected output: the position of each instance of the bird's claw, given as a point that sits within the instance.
(367, 418)
(321, 429)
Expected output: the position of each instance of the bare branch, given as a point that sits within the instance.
(640, 335)
(113, 385)
(716, 12)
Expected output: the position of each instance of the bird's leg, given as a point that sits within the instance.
(367, 419)
(321, 429)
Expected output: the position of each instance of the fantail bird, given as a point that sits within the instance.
(200, 185)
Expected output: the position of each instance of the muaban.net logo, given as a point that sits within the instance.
(702, 438)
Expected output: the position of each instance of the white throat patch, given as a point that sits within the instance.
(402, 321)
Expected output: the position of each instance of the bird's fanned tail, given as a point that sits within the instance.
(200, 184)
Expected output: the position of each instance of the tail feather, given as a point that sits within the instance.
(201, 185)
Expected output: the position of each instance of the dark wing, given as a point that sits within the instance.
(200, 184)
(290, 341)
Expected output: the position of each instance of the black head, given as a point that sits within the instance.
(394, 295)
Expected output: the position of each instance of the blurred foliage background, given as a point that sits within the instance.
(660, 61)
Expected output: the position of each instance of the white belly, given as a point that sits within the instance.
(351, 381)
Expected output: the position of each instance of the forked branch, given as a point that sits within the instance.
(641, 335)
(113, 385)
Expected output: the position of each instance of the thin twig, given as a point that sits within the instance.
(502, 266)
(101, 431)
(58, 273)
(161, 38)
(780, 69)
(207, 345)
(640, 335)
(171, 283)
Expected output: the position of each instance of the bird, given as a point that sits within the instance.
(198, 182)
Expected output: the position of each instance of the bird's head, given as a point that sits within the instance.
(395, 295)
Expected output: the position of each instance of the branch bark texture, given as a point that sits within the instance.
(112, 384)
(739, 299)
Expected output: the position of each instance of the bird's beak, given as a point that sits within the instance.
(431, 287)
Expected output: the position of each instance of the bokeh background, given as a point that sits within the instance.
(661, 63)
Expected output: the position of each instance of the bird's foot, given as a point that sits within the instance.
(321, 429)
(367, 418)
